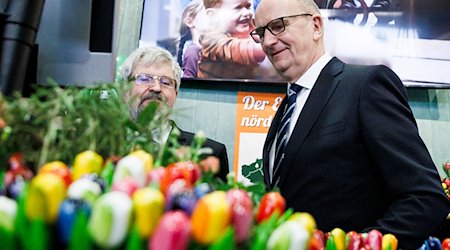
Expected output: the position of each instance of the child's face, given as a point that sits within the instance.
(237, 16)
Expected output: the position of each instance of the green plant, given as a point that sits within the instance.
(56, 123)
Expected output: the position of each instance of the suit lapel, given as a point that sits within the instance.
(182, 139)
(320, 94)
(270, 139)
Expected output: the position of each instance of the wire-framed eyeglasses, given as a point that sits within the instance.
(275, 27)
(149, 80)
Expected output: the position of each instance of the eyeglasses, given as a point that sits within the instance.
(149, 80)
(275, 27)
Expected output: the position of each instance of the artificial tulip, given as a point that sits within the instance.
(130, 166)
(211, 216)
(97, 179)
(84, 189)
(353, 241)
(155, 176)
(127, 185)
(317, 241)
(8, 212)
(148, 208)
(176, 187)
(110, 219)
(446, 244)
(432, 243)
(146, 158)
(271, 202)
(66, 216)
(306, 219)
(184, 200)
(8, 215)
(58, 168)
(201, 189)
(187, 170)
(86, 162)
(45, 194)
(373, 239)
(336, 240)
(292, 234)
(389, 242)
(241, 213)
(172, 233)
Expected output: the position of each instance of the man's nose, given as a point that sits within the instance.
(156, 86)
(269, 38)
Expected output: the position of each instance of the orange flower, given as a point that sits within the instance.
(210, 164)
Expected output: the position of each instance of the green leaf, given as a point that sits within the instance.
(262, 232)
(134, 241)
(108, 174)
(7, 240)
(225, 242)
(147, 114)
(22, 223)
(79, 238)
(38, 235)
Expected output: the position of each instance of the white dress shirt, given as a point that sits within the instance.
(306, 81)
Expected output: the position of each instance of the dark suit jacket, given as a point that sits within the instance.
(355, 159)
(219, 150)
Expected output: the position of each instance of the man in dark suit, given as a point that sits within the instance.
(346, 148)
(156, 76)
(218, 150)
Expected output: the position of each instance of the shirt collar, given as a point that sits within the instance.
(161, 134)
(308, 79)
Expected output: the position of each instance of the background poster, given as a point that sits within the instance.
(412, 37)
(254, 114)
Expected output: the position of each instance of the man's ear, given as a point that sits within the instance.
(318, 26)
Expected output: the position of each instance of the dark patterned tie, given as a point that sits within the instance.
(283, 132)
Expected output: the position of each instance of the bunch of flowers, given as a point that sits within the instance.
(128, 203)
(81, 174)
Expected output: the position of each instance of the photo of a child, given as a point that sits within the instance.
(210, 38)
(228, 46)
(193, 23)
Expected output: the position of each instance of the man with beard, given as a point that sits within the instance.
(156, 76)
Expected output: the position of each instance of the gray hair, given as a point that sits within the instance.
(147, 56)
(309, 6)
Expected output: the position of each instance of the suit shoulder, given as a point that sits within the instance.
(213, 142)
(189, 137)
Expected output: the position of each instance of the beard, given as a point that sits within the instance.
(140, 103)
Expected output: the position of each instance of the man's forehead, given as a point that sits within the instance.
(153, 67)
(268, 10)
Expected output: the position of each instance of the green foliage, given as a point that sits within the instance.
(57, 123)
(134, 241)
(80, 238)
(261, 232)
(225, 242)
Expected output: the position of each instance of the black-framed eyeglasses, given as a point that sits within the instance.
(275, 27)
(149, 80)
